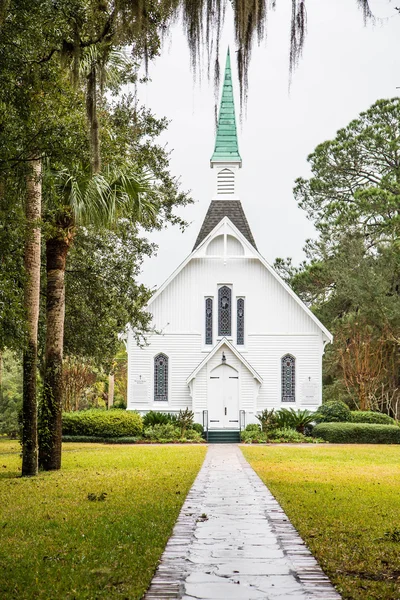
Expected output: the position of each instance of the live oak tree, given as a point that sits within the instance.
(351, 278)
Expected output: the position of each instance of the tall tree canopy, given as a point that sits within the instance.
(351, 278)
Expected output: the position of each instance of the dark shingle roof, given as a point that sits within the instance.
(219, 209)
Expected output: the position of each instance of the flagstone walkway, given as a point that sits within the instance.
(233, 541)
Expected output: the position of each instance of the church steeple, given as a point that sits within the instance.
(226, 159)
(226, 142)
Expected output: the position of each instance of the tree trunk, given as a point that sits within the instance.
(91, 111)
(51, 410)
(110, 396)
(32, 295)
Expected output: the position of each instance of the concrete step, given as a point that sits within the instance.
(224, 436)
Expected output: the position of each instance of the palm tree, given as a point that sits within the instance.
(99, 199)
(32, 296)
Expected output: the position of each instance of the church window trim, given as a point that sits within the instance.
(288, 371)
(224, 311)
(240, 316)
(209, 315)
(161, 377)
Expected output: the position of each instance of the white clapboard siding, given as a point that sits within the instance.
(265, 353)
(269, 307)
(184, 355)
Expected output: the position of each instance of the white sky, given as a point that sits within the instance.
(345, 68)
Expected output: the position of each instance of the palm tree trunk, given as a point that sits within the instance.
(51, 410)
(110, 395)
(91, 111)
(32, 295)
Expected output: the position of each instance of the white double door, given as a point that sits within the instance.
(223, 398)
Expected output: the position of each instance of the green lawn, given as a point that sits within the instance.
(55, 543)
(342, 500)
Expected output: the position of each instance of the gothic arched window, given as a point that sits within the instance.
(209, 321)
(224, 310)
(240, 322)
(161, 378)
(288, 378)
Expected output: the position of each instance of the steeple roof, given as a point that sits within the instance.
(226, 142)
(219, 209)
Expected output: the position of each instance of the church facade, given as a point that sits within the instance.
(233, 338)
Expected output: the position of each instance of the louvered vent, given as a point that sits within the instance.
(226, 182)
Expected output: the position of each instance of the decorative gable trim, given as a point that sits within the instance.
(227, 343)
(251, 250)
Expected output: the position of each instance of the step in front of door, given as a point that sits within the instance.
(223, 436)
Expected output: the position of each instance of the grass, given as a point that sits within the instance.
(95, 529)
(345, 503)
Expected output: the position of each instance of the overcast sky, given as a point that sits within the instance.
(346, 66)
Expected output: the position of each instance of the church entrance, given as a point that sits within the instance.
(223, 398)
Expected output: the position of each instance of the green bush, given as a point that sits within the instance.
(267, 420)
(253, 427)
(100, 440)
(334, 411)
(368, 416)
(157, 418)
(287, 434)
(193, 435)
(294, 419)
(253, 437)
(357, 433)
(198, 427)
(162, 432)
(103, 423)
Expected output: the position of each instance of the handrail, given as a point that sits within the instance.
(205, 423)
(242, 420)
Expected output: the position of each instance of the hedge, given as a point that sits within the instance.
(332, 412)
(100, 440)
(357, 433)
(368, 416)
(102, 423)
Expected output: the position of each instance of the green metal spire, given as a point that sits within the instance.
(226, 143)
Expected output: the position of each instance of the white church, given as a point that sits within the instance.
(233, 338)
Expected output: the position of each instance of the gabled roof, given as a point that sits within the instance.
(226, 142)
(227, 343)
(219, 209)
(257, 255)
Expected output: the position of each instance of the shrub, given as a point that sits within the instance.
(100, 440)
(162, 432)
(253, 427)
(357, 433)
(333, 412)
(286, 434)
(294, 419)
(102, 423)
(368, 416)
(185, 420)
(198, 427)
(157, 418)
(253, 437)
(267, 419)
(194, 435)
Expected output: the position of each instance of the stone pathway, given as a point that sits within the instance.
(233, 541)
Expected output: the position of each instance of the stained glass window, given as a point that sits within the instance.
(209, 321)
(288, 378)
(240, 322)
(161, 378)
(224, 310)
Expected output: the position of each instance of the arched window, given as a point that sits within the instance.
(224, 310)
(209, 321)
(240, 322)
(288, 378)
(161, 378)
